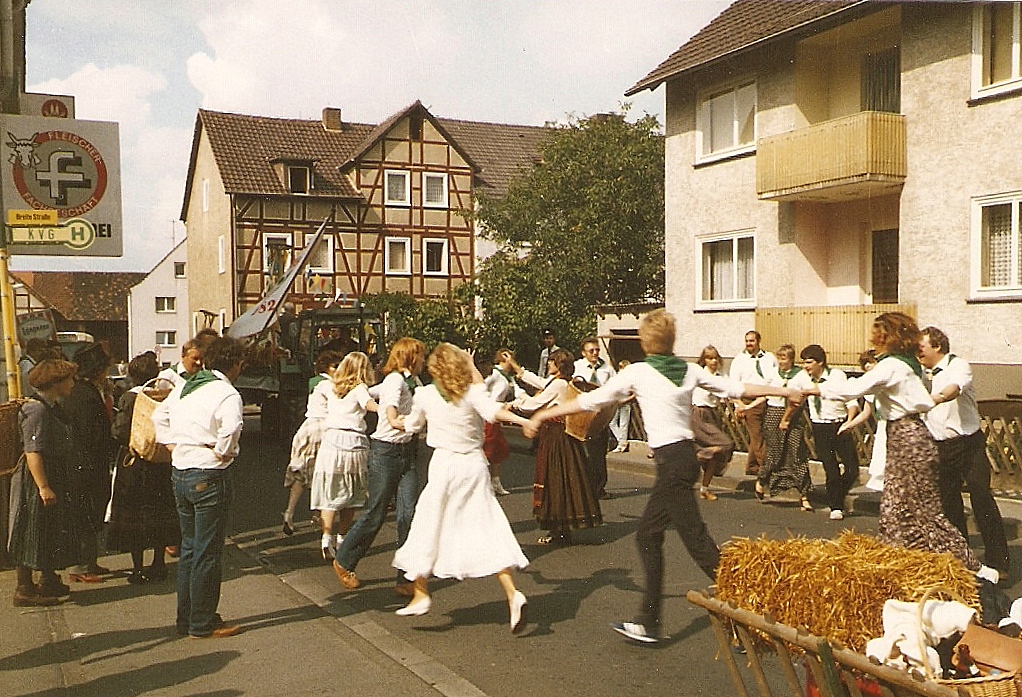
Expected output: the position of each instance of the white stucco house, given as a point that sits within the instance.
(158, 317)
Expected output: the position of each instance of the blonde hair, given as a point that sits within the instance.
(353, 371)
(657, 332)
(709, 351)
(404, 355)
(448, 365)
(786, 350)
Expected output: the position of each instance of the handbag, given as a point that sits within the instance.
(992, 649)
(142, 441)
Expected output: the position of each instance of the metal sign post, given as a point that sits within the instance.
(16, 220)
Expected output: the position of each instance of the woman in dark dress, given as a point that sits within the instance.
(143, 514)
(562, 495)
(43, 534)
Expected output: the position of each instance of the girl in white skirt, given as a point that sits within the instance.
(459, 530)
(339, 476)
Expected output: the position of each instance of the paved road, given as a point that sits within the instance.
(305, 636)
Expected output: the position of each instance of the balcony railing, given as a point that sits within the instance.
(842, 330)
(843, 159)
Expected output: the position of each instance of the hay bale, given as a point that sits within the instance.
(834, 588)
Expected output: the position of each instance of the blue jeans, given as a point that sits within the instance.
(203, 500)
(391, 472)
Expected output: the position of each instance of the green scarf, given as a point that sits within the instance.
(203, 377)
(908, 360)
(671, 367)
(789, 373)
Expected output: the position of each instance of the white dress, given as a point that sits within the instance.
(339, 478)
(459, 530)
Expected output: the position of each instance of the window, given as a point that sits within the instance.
(164, 304)
(997, 250)
(299, 180)
(397, 189)
(179, 269)
(726, 121)
(434, 190)
(276, 255)
(885, 266)
(221, 255)
(166, 338)
(727, 270)
(398, 256)
(321, 258)
(996, 40)
(881, 82)
(434, 257)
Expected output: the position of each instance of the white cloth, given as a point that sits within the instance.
(753, 370)
(666, 407)
(204, 427)
(340, 479)
(500, 388)
(459, 530)
(551, 392)
(899, 646)
(394, 393)
(597, 373)
(898, 390)
(878, 458)
(960, 416)
(829, 410)
(175, 374)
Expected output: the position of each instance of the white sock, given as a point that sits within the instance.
(328, 539)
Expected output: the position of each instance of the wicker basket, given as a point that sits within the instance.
(1001, 685)
(10, 436)
(142, 441)
(586, 424)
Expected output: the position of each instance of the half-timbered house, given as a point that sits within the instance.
(396, 198)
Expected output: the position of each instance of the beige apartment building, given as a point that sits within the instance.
(827, 161)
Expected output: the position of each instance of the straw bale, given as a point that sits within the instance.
(834, 588)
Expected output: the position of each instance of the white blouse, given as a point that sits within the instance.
(552, 392)
(899, 391)
(453, 426)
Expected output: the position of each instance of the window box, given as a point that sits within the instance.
(397, 256)
(434, 257)
(726, 274)
(397, 189)
(996, 258)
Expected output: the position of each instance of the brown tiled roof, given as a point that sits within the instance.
(744, 24)
(245, 148)
(81, 295)
(500, 151)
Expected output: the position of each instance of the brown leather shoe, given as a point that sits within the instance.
(347, 578)
(29, 597)
(221, 632)
(406, 590)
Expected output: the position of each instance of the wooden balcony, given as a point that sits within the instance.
(844, 159)
(842, 330)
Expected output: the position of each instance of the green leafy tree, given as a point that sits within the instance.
(583, 227)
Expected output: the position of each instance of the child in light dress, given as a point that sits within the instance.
(339, 477)
(459, 530)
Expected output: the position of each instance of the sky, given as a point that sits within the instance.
(149, 65)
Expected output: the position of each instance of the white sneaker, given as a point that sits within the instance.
(837, 514)
(635, 632)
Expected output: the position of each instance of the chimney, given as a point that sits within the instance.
(332, 119)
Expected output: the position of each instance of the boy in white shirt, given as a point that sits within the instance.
(663, 386)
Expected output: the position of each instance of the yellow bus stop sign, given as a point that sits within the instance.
(31, 217)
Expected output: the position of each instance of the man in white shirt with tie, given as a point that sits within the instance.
(596, 371)
(954, 424)
(753, 366)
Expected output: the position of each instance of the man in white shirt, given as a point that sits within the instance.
(549, 346)
(663, 386)
(596, 371)
(753, 366)
(828, 416)
(190, 364)
(954, 424)
(200, 422)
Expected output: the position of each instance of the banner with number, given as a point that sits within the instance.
(265, 311)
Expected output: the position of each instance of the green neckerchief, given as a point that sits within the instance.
(194, 382)
(510, 377)
(817, 401)
(908, 360)
(411, 382)
(789, 373)
(671, 367)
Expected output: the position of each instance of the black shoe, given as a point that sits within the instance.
(53, 589)
(138, 578)
(604, 495)
(157, 573)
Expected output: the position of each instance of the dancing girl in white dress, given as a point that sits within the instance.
(459, 530)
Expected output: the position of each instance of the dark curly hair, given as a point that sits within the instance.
(223, 354)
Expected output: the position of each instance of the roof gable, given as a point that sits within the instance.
(245, 148)
(741, 26)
